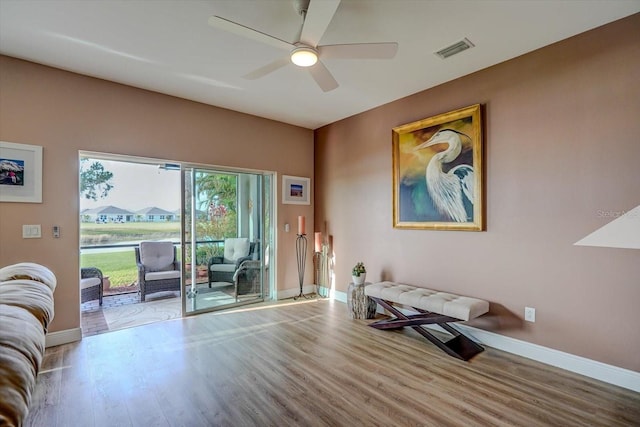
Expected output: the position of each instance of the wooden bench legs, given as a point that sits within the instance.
(459, 346)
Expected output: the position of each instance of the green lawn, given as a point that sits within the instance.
(119, 266)
(104, 234)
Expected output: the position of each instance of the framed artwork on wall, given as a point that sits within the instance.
(438, 176)
(296, 190)
(20, 173)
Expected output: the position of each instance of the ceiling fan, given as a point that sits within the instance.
(316, 16)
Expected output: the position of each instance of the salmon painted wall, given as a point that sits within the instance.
(562, 135)
(65, 112)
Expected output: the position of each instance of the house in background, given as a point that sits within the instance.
(154, 214)
(104, 214)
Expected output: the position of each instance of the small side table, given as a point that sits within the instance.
(360, 306)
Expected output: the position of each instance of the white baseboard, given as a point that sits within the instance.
(63, 337)
(337, 295)
(309, 289)
(570, 362)
(290, 293)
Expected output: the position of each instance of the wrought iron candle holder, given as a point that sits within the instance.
(301, 256)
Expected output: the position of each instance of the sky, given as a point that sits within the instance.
(138, 186)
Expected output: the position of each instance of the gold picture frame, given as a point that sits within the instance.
(438, 172)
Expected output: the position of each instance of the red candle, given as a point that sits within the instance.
(301, 225)
(318, 241)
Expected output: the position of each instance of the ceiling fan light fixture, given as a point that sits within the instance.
(304, 56)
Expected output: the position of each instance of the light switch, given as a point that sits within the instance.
(31, 231)
(56, 231)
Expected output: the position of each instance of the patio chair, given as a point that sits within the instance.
(158, 268)
(90, 284)
(247, 278)
(223, 268)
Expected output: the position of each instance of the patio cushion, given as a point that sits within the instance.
(159, 275)
(235, 248)
(230, 268)
(89, 282)
(157, 256)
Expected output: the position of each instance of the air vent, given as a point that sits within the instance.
(457, 47)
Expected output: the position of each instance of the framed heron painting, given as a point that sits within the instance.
(438, 180)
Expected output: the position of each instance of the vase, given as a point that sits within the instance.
(359, 280)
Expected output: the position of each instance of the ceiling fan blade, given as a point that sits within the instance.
(269, 68)
(323, 77)
(319, 15)
(359, 51)
(250, 33)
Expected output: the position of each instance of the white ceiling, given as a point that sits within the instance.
(168, 47)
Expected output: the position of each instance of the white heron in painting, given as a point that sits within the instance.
(447, 189)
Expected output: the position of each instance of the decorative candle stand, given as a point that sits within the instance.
(301, 256)
(320, 263)
(322, 271)
(317, 267)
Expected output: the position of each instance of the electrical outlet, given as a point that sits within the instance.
(530, 314)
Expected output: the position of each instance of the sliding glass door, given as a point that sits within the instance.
(226, 238)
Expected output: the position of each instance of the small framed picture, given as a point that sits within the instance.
(20, 173)
(296, 190)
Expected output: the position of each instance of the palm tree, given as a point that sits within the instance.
(219, 191)
(220, 187)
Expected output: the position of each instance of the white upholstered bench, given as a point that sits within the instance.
(433, 307)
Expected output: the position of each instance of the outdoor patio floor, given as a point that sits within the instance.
(121, 310)
(92, 319)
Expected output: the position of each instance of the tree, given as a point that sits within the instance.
(95, 181)
(218, 198)
(217, 187)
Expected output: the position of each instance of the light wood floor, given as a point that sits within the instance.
(305, 364)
